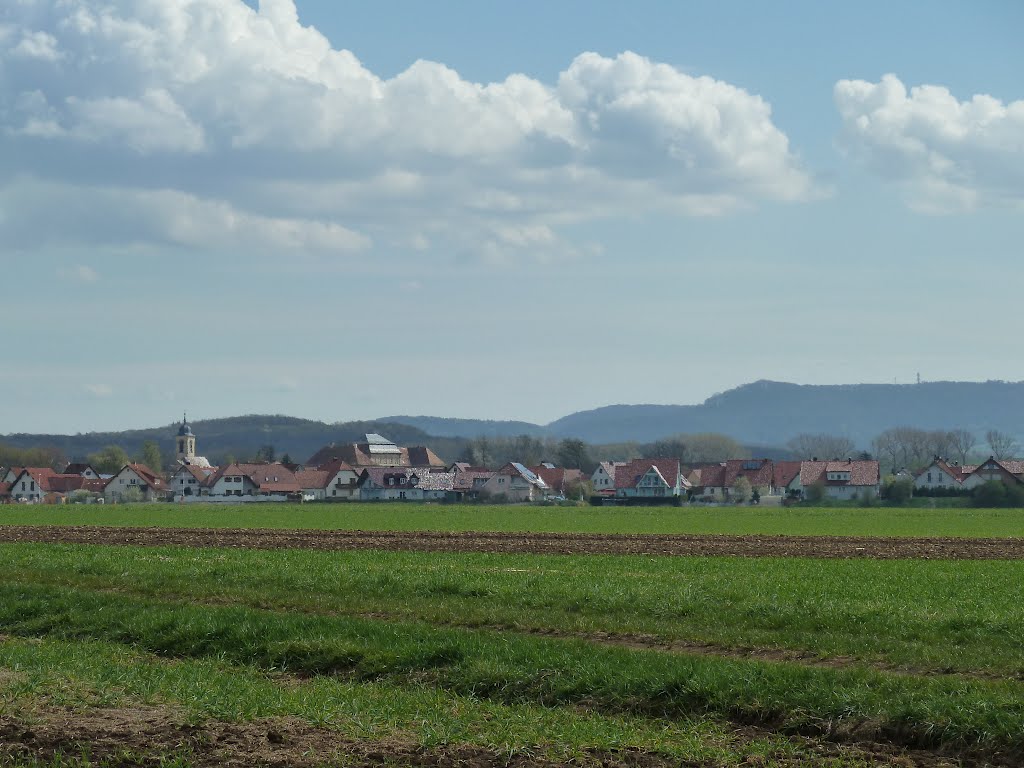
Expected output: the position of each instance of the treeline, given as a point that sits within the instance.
(572, 453)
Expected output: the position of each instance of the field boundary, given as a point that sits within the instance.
(666, 545)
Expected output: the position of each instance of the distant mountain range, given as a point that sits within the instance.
(772, 412)
(765, 413)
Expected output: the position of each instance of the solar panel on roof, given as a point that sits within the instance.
(374, 439)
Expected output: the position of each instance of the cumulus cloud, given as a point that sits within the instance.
(952, 155)
(256, 126)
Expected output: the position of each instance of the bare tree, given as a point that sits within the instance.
(1002, 445)
(962, 441)
(886, 447)
(824, 446)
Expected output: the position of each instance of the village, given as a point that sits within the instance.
(379, 470)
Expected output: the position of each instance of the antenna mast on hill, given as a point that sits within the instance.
(919, 378)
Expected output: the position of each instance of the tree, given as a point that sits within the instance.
(287, 459)
(824, 446)
(668, 448)
(740, 490)
(963, 442)
(528, 450)
(1002, 445)
(150, 456)
(990, 494)
(815, 492)
(266, 453)
(573, 454)
(897, 490)
(131, 495)
(713, 447)
(109, 460)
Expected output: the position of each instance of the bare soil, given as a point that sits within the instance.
(150, 736)
(689, 545)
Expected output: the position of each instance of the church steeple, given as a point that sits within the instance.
(186, 446)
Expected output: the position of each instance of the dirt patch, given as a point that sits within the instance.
(149, 736)
(689, 545)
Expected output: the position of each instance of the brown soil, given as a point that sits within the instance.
(835, 547)
(148, 736)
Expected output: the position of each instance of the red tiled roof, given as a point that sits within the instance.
(314, 478)
(861, 472)
(759, 476)
(269, 478)
(152, 478)
(712, 476)
(557, 479)
(784, 472)
(334, 466)
(629, 474)
(466, 480)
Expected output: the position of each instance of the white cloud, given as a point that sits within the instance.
(952, 155)
(99, 390)
(79, 273)
(248, 125)
(36, 45)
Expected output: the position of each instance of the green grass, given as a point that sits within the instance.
(517, 671)
(86, 674)
(410, 517)
(934, 615)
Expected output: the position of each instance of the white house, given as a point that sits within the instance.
(250, 480)
(404, 484)
(189, 480)
(1006, 470)
(651, 478)
(603, 478)
(941, 474)
(342, 482)
(841, 479)
(135, 476)
(516, 483)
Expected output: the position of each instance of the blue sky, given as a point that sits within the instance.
(344, 211)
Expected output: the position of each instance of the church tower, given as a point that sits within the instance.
(186, 453)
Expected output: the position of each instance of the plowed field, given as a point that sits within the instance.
(679, 545)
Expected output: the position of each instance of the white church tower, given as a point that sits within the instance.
(186, 453)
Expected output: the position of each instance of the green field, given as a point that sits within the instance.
(702, 661)
(837, 521)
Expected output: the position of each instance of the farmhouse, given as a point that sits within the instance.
(942, 474)
(404, 484)
(377, 451)
(516, 482)
(342, 481)
(841, 479)
(134, 478)
(650, 478)
(1009, 471)
(265, 480)
(189, 480)
(603, 478)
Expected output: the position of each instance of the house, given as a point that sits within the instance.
(716, 481)
(266, 481)
(342, 482)
(841, 479)
(189, 480)
(404, 484)
(30, 483)
(942, 474)
(313, 483)
(786, 478)
(1009, 471)
(562, 482)
(134, 476)
(377, 451)
(651, 478)
(82, 469)
(468, 480)
(516, 482)
(603, 478)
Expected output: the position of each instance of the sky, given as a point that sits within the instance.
(345, 211)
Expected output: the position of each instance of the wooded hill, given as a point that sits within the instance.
(771, 413)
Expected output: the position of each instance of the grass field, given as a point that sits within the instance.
(835, 521)
(702, 661)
